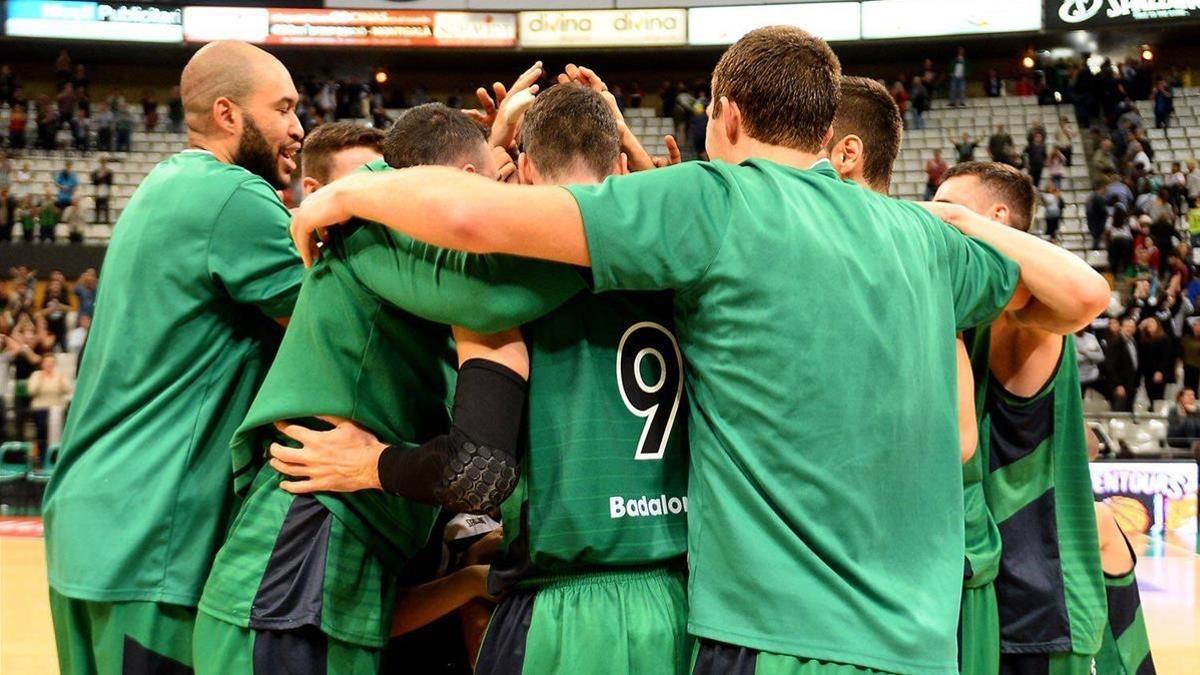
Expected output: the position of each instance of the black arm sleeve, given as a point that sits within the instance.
(473, 468)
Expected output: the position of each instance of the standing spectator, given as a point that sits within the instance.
(1104, 163)
(684, 102)
(102, 121)
(81, 132)
(1156, 359)
(1164, 104)
(929, 76)
(54, 307)
(1035, 157)
(48, 123)
(1177, 184)
(77, 337)
(1064, 138)
(919, 101)
(102, 180)
(993, 86)
(1162, 221)
(1139, 159)
(74, 219)
(83, 101)
(26, 216)
(123, 123)
(67, 183)
(8, 83)
(22, 182)
(1193, 218)
(635, 94)
(1056, 162)
(900, 95)
(699, 125)
(1183, 420)
(66, 103)
(47, 217)
(1053, 203)
(175, 111)
(18, 121)
(49, 388)
(1035, 127)
(8, 351)
(935, 170)
(62, 67)
(26, 361)
(964, 150)
(1097, 216)
(1121, 360)
(1089, 355)
(1193, 180)
(150, 110)
(1189, 348)
(80, 80)
(958, 72)
(1120, 241)
(85, 292)
(999, 143)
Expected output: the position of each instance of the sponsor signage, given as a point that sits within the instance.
(832, 21)
(893, 19)
(604, 28)
(94, 21)
(1082, 14)
(1149, 496)
(350, 28)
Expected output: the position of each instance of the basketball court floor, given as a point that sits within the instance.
(1168, 575)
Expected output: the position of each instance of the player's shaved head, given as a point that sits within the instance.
(225, 69)
(869, 112)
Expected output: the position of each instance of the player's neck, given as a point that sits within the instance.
(221, 150)
(752, 149)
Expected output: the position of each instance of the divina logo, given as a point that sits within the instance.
(662, 505)
(634, 22)
(558, 23)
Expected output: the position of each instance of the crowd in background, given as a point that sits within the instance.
(43, 332)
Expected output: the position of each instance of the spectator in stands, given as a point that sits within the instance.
(1056, 163)
(1193, 180)
(1120, 241)
(26, 361)
(150, 110)
(83, 101)
(1156, 358)
(48, 123)
(6, 221)
(73, 217)
(102, 122)
(935, 171)
(919, 102)
(25, 215)
(1119, 191)
(993, 86)
(1035, 156)
(66, 102)
(22, 182)
(67, 183)
(80, 80)
(102, 180)
(77, 337)
(999, 144)
(54, 307)
(18, 121)
(47, 217)
(957, 73)
(929, 76)
(1162, 222)
(1164, 104)
(85, 292)
(964, 149)
(1193, 218)
(1064, 138)
(1053, 202)
(123, 124)
(8, 83)
(1189, 348)
(1089, 355)
(1138, 158)
(49, 388)
(1104, 163)
(698, 126)
(900, 95)
(1183, 420)
(8, 351)
(1176, 182)
(81, 132)
(1097, 215)
(175, 111)
(1121, 360)
(62, 67)
(635, 94)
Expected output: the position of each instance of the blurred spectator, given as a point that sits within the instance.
(1097, 215)
(684, 103)
(1035, 157)
(1189, 348)
(6, 219)
(900, 95)
(1120, 241)
(1119, 191)
(957, 73)
(49, 388)
(1053, 202)
(81, 132)
(999, 144)
(175, 111)
(47, 217)
(1156, 359)
(103, 122)
(1024, 87)
(66, 102)
(1164, 104)
(8, 83)
(1121, 361)
(80, 80)
(26, 361)
(18, 122)
(1162, 222)
(48, 124)
(54, 307)
(83, 102)
(102, 180)
(1064, 139)
(75, 220)
(929, 76)
(1138, 158)
(919, 102)
(1089, 355)
(62, 66)
(1193, 180)
(1056, 163)
(123, 124)
(85, 292)
(993, 86)
(1104, 163)
(698, 126)
(26, 216)
(1193, 218)
(1177, 184)
(77, 337)
(964, 149)
(1183, 421)
(635, 94)
(935, 170)
(67, 183)
(150, 110)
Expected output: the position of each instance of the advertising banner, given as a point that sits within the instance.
(895, 19)
(1084, 14)
(832, 21)
(1149, 496)
(93, 21)
(604, 28)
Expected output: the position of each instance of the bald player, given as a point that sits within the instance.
(1035, 599)
(199, 269)
(335, 149)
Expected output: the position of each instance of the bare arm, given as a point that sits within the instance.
(452, 209)
(968, 429)
(1064, 293)
(419, 606)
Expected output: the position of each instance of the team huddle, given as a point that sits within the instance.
(599, 412)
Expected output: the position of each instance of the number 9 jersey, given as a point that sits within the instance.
(604, 476)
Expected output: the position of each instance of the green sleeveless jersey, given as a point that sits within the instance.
(604, 475)
(1125, 649)
(1036, 484)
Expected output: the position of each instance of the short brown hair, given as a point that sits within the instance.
(567, 126)
(785, 83)
(432, 134)
(868, 111)
(1008, 185)
(327, 140)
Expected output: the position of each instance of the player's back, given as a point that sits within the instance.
(175, 354)
(604, 474)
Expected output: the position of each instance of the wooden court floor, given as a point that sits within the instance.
(1168, 575)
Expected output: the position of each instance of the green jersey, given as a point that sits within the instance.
(1125, 648)
(818, 321)
(604, 474)
(368, 342)
(141, 497)
(1049, 583)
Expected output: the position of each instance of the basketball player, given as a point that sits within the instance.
(198, 267)
(1036, 547)
(334, 149)
(596, 531)
(776, 303)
